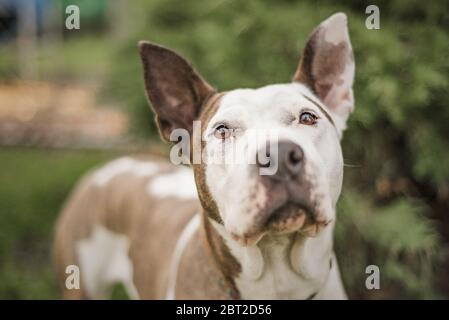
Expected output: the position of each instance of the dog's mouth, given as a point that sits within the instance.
(288, 218)
(292, 217)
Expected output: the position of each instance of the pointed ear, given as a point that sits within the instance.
(176, 91)
(327, 67)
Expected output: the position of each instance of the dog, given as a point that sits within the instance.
(221, 230)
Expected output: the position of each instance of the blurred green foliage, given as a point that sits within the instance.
(397, 180)
(397, 238)
(30, 199)
(8, 62)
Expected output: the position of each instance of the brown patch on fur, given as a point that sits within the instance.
(151, 224)
(208, 203)
(222, 258)
(213, 262)
(304, 72)
(322, 63)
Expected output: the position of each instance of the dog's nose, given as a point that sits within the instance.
(289, 159)
(292, 158)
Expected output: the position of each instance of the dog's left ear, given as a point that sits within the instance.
(327, 67)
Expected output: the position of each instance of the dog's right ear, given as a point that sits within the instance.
(176, 91)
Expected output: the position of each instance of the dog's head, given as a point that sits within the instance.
(291, 131)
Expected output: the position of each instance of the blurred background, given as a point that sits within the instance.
(73, 99)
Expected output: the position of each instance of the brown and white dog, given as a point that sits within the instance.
(250, 236)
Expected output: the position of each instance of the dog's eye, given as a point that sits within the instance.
(308, 118)
(222, 132)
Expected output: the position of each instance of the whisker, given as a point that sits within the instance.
(352, 165)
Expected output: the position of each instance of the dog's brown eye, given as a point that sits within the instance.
(308, 118)
(222, 132)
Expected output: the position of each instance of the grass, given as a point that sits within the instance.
(33, 186)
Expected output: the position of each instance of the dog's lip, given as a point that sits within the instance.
(287, 218)
(292, 217)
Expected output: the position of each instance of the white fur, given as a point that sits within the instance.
(181, 244)
(179, 184)
(275, 269)
(258, 109)
(104, 261)
(336, 28)
(124, 165)
(309, 257)
(267, 272)
(333, 289)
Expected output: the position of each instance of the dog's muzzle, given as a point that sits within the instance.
(291, 205)
(287, 160)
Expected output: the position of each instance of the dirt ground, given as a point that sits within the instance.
(58, 115)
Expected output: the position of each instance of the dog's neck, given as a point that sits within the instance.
(279, 266)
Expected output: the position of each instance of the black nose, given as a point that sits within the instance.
(289, 159)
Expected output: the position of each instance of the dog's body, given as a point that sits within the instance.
(249, 236)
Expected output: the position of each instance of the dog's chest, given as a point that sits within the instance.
(268, 274)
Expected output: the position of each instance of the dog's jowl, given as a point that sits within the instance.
(221, 229)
